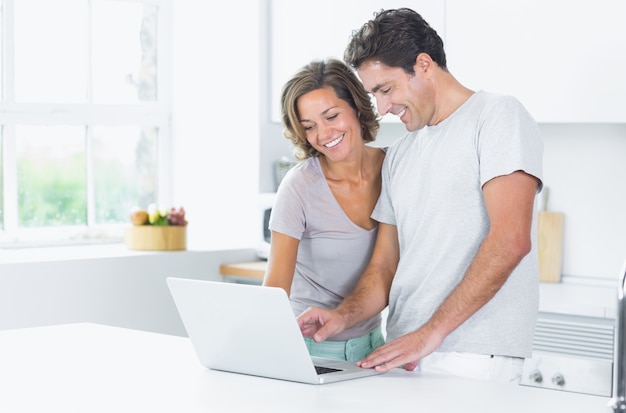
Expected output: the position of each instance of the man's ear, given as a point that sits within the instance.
(423, 62)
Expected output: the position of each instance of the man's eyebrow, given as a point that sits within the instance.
(376, 88)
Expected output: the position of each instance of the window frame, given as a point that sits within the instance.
(154, 114)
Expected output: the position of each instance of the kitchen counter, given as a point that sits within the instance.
(95, 368)
(252, 272)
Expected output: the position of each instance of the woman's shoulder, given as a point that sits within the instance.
(306, 168)
(382, 150)
(377, 156)
(302, 173)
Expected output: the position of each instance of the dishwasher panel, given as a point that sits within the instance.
(567, 373)
(572, 353)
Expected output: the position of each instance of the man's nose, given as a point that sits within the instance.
(383, 106)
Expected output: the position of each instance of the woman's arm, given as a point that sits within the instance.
(281, 263)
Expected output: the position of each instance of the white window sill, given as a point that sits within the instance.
(73, 252)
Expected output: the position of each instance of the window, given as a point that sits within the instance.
(84, 117)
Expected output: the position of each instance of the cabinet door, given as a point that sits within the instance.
(565, 60)
(303, 31)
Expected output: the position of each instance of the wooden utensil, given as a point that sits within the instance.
(549, 241)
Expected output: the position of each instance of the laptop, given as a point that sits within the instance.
(251, 329)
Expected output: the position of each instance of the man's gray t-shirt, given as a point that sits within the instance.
(333, 250)
(432, 192)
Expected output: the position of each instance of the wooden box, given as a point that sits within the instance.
(156, 238)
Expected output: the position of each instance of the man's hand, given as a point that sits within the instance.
(406, 351)
(320, 324)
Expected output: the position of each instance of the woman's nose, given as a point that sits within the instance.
(323, 130)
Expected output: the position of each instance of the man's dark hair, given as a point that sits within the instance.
(395, 37)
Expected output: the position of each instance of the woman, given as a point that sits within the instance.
(322, 233)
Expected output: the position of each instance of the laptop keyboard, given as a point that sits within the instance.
(324, 370)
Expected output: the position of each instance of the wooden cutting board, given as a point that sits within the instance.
(550, 245)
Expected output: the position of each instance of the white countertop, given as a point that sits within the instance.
(95, 368)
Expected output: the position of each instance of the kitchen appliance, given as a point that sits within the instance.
(575, 353)
(265, 203)
(571, 353)
(281, 167)
(563, 372)
(618, 402)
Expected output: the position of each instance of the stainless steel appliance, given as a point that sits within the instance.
(618, 401)
(571, 353)
(265, 202)
(568, 373)
(582, 354)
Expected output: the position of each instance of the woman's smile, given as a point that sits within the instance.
(334, 142)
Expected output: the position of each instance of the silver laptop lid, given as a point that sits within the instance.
(252, 330)
(243, 329)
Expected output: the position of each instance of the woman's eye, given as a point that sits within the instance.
(333, 116)
(307, 128)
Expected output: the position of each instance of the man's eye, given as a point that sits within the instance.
(385, 91)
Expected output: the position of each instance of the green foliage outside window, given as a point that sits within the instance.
(52, 193)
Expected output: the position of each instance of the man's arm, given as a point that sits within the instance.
(369, 297)
(509, 201)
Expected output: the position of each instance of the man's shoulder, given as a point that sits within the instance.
(485, 98)
(400, 145)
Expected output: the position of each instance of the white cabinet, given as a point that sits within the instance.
(303, 31)
(565, 60)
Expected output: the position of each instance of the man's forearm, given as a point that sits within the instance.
(369, 297)
(371, 294)
(491, 267)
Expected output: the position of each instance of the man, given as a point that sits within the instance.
(453, 258)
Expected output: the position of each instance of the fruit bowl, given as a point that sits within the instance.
(157, 229)
(156, 238)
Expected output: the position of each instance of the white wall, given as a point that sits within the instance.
(585, 169)
(216, 120)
